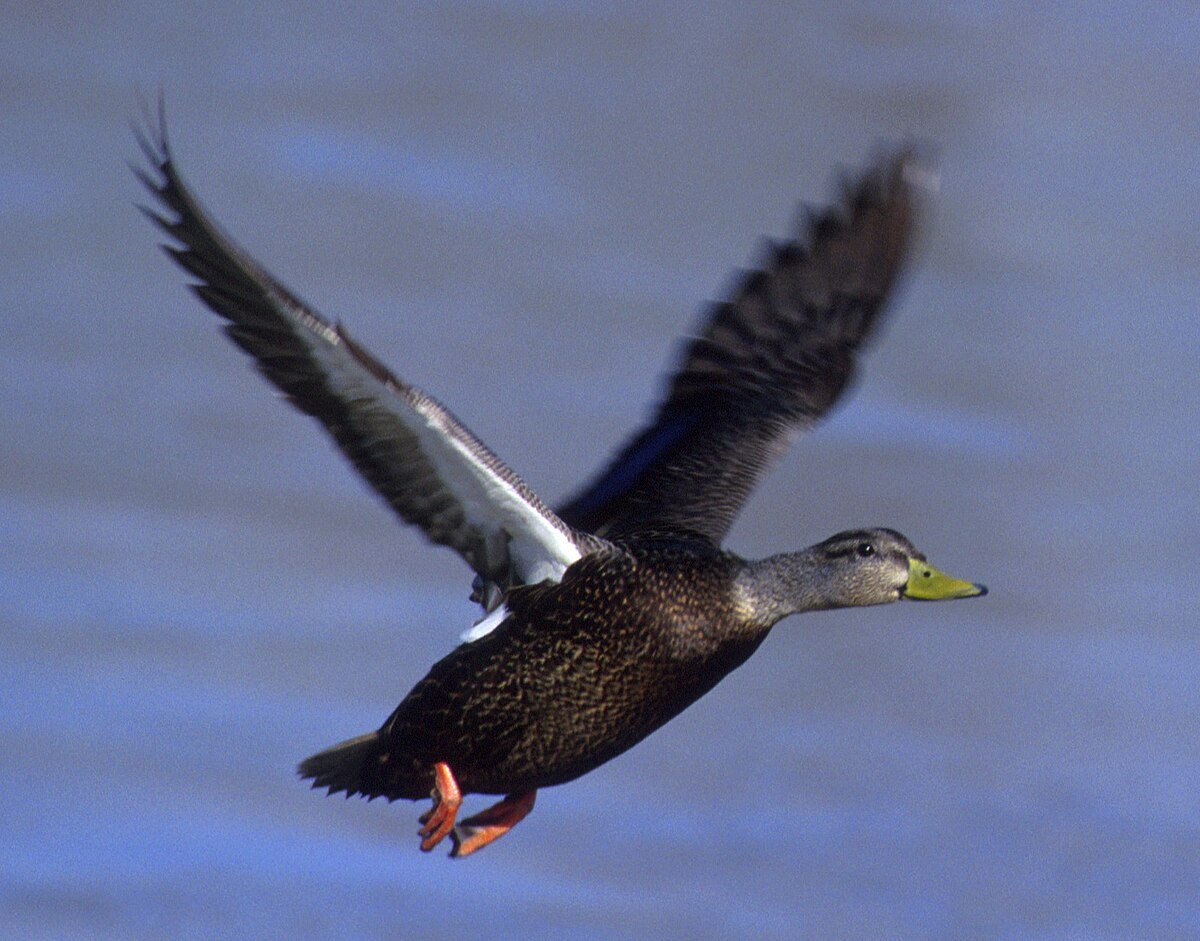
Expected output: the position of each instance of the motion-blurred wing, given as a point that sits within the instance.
(430, 468)
(768, 363)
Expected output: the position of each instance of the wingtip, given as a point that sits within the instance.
(911, 163)
(149, 129)
(918, 163)
(154, 116)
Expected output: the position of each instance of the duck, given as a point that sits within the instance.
(604, 619)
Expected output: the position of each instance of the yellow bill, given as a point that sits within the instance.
(925, 583)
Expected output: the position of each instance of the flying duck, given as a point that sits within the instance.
(604, 620)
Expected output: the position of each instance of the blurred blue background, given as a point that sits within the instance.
(520, 206)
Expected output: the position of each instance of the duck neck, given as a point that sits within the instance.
(770, 589)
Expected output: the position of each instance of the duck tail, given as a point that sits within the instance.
(350, 766)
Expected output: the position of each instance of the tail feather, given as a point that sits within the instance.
(350, 766)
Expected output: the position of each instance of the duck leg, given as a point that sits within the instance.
(439, 819)
(478, 831)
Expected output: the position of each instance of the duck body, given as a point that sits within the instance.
(577, 673)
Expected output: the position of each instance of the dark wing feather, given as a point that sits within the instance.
(768, 363)
(425, 463)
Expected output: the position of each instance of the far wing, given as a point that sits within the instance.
(425, 463)
(768, 363)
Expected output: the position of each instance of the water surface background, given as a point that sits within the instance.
(520, 206)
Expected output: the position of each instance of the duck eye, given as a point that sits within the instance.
(866, 549)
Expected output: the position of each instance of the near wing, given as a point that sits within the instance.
(767, 363)
(430, 468)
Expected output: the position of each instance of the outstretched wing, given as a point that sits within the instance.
(768, 363)
(425, 463)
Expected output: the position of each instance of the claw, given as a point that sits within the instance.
(478, 831)
(439, 819)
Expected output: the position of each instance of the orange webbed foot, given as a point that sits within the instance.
(478, 831)
(439, 819)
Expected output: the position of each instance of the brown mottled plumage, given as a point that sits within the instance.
(607, 619)
(628, 639)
